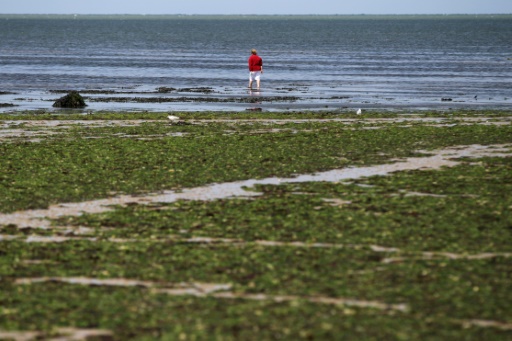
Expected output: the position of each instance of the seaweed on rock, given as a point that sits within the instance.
(72, 100)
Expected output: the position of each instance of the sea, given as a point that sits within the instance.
(191, 63)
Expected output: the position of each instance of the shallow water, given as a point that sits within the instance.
(325, 63)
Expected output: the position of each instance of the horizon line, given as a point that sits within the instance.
(255, 14)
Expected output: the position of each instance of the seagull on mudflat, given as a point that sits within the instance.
(173, 118)
(359, 112)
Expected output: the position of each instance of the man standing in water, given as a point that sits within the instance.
(255, 68)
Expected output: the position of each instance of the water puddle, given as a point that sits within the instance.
(485, 324)
(436, 160)
(8, 135)
(445, 255)
(212, 290)
(62, 334)
(336, 202)
(414, 255)
(196, 289)
(319, 300)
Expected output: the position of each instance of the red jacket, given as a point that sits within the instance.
(255, 63)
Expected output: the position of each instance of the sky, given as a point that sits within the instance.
(256, 7)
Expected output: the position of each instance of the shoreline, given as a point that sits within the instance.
(237, 99)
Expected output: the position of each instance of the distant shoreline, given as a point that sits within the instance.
(254, 16)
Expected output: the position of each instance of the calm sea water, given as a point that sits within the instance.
(365, 61)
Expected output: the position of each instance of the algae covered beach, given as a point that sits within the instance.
(243, 226)
(363, 194)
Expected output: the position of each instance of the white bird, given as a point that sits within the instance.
(173, 118)
(359, 112)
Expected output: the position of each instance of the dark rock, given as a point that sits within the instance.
(446, 99)
(203, 90)
(72, 100)
(164, 89)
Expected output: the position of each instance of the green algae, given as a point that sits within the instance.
(468, 205)
(464, 210)
(72, 167)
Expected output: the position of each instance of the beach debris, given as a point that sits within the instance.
(359, 112)
(72, 100)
